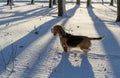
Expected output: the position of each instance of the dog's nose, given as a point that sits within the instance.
(52, 31)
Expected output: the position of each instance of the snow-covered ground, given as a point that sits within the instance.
(27, 54)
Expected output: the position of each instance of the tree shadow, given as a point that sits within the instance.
(118, 23)
(109, 43)
(65, 69)
(37, 63)
(70, 13)
(111, 8)
(17, 16)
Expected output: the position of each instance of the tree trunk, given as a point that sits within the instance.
(118, 11)
(102, 2)
(50, 3)
(115, 1)
(32, 2)
(111, 3)
(10, 2)
(54, 2)
(78, 2)
(88, 3)
(61, 8)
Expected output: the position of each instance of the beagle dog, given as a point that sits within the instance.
(70, 41)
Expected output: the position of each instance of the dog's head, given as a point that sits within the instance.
(56, 29)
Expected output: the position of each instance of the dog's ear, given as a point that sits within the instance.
(63, 28)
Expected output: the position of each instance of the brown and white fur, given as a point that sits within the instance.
(68, 40)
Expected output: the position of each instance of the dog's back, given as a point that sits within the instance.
(73, 40)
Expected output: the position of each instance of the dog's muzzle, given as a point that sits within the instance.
(52, 31)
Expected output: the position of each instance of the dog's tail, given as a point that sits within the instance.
(99, 38)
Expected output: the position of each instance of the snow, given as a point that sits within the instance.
(28, 49)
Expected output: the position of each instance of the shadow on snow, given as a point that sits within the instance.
(66, 70)
(109, 43)
(27, 14)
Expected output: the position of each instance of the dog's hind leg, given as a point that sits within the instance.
(86, 50)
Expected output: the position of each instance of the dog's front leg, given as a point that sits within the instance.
(64, 46)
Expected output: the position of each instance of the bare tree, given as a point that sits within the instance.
(111, 2)
(54, 2)
(10, 2)
(88, 3)
(50, 3)
(115, 1)
(61, 8)
(118, 11)
(102, 2)
(32, 1)
(78, 2)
